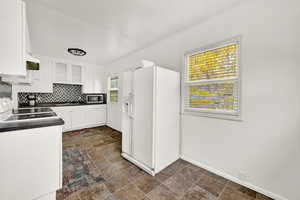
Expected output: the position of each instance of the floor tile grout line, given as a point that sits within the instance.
(195, 182)
(134, 180)
(223, 190)
(92, 160)
(145, 194)
(193, 185)
(130, 181)
(78, 196)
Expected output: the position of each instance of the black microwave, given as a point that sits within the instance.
(95, 98)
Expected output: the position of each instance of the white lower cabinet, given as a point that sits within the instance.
(66, 115)
(96, 115)
(31, 163)
(77, 117)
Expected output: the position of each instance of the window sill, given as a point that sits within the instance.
(214, 115)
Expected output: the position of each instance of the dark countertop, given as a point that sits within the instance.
(14, 126)
(59, 104)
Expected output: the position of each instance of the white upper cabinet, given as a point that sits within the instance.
(12, 40)
(64, 72)
(60, 72)
(99, 81)
(41, 80)
(67, 73)
(76, 71)
(93, 80)
(88, 86)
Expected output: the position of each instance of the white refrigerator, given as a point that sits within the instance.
(151, 117)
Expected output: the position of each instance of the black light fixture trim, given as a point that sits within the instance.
(76, 51)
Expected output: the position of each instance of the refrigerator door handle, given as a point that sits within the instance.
(131, 112)
(125, 107)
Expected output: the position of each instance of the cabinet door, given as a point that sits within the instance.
(93, 80)
(12, 40)
(95, 115)
(43, 78)
(65, 114)
(60, 72)
(88, 85)
(98, 85)
(98, 81)
(41, 82)
(76, 74)
(100, 115)
(78, 118)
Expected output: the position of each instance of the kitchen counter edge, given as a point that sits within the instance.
(15, 126)
(57, 105)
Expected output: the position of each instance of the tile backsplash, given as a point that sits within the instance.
(61, 93)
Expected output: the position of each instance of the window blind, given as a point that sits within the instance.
(113, 96)
(113, 89)
(217, 96)
(212, 81)
(114, 82)
(213, 64)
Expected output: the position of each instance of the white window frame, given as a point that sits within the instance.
(113, 89)
(222, 114)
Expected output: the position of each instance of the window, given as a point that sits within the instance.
(211, 80)
(113, 89)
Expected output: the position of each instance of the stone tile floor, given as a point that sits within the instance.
(124, 181)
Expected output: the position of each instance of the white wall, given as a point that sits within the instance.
(265, 145)
(113, 109)
(114, 115)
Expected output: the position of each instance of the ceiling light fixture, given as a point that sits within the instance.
(76, 51)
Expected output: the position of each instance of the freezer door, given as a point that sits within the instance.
(126, 128)
(142, 136)
(127, 84)
(127, 112)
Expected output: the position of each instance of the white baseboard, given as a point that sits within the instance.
(234, 179)
(108, 124)
(83, 127)
(48, 196)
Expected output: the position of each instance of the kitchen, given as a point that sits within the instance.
(156, 100)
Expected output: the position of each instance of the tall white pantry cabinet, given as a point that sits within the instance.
(13, 37)
(150, 117)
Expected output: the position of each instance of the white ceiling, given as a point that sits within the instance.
(109, 29)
